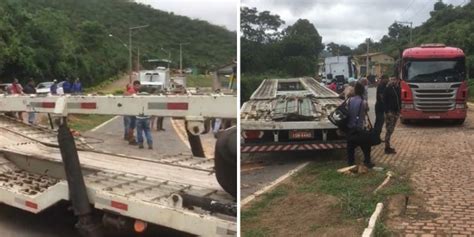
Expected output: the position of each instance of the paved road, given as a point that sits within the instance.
(58, 222)
(439, 159)
(259, 170)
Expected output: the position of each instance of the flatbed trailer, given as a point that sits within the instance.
(289, 115)
(176, 191)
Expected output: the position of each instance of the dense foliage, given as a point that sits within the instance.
(269, 49)
(265, 46)
(47, 39)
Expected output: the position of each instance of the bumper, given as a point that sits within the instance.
(291, 146)
(416, 114)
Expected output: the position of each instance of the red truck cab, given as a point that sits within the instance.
(433, 83)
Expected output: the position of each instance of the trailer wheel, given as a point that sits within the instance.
(225, 160)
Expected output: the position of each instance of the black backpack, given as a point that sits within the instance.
(340, 116)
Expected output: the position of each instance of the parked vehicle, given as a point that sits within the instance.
(182, 192)
(339, 67)
(4, 87)
(433, 83)
(44, 87)
(289, 115)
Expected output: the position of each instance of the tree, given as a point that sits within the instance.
(301, 46)
(260, 27)
(336, 49)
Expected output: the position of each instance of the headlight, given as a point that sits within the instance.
(408, 106)
(460, 106)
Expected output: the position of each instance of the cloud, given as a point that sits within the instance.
(217, 12)
(349, 22)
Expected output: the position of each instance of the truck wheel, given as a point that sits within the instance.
(225, 160)
(404, 121)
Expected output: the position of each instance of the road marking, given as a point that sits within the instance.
(103, 124)
(180, 133)
(272, 184)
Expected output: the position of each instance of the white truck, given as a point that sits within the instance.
(289, 115)
(159, 79)
(40, 167)
(339, 67)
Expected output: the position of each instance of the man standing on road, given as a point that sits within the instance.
(379, 105)
(67, 86)
(392, 103)
(17, 89)
(132, 119)
(30, 89)
(143, 127)
(54, 88)
(76, 87)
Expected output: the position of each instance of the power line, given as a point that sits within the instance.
(416, 15)
(409, 5)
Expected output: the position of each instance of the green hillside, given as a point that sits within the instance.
(47, 39)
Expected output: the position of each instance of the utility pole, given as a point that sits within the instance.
(181, 57)
(367, 59)
(169, 56)
(130, 50)
(411, 28)
(138, 59)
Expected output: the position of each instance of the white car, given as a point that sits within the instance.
(44, 87)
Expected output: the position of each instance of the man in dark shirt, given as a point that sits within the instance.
(392, 103)
(379, 105)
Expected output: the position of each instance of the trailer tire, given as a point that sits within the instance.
(225, 160)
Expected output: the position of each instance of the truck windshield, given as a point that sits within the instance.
(435, 71)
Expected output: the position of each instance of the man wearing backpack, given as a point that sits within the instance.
(392, 102)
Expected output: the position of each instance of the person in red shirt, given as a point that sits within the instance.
(333, 85)
(16, 89)
(130, 122)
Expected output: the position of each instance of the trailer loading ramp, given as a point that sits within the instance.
(31, 178)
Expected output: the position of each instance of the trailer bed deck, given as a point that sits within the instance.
(32, 178)
(296, 100)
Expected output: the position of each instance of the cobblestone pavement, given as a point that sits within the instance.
(439, 159)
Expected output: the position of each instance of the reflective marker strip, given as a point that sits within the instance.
(84, 105)
(290, 147)
(119, 205)
(31, 205)
(47, 105)
(26, 203)
(168, 106)
(110, 203)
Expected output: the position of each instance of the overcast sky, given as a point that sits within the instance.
(350, 22)
(217, 12)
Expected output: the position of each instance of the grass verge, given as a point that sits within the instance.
(353, 203)
(199, 81)
(86, 122)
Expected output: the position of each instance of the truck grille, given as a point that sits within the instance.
(434, 100)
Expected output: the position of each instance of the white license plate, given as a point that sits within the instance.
(301, 134)
(434, 117)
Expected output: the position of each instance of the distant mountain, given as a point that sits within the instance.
(48, 39)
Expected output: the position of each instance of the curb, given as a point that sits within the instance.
(369, 231)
